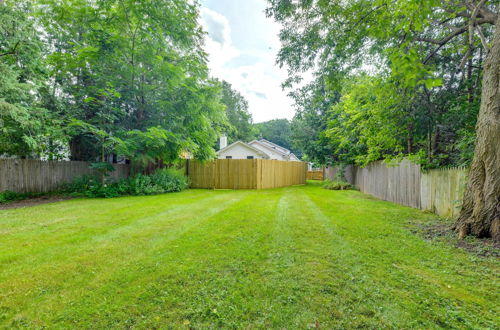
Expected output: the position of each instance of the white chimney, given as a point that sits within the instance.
(223, 141)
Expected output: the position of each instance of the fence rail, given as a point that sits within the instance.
(245, 173)
(439, 191)
(30, 175)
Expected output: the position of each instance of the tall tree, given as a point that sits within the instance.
(27, 128)
(480, 213)
(337, 37)
(239, 118)
(125, 65)
(277, 131)
(308, 126)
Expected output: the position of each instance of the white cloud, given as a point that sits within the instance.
(218, 43)
(251, 71)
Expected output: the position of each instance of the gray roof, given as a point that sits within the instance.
(272, 146)
(258, 151)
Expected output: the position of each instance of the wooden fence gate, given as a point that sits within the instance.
(316, 175)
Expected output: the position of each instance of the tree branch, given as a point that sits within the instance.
(483, 39)
(456, 32)
(366, 16)
(444, 40)
(464, 59)
(486, 14)
(12, 51)
(483, 11)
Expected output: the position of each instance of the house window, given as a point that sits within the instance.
(249, 157)
(229, 157)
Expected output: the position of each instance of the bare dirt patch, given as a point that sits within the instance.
(34, 201)
(443, 231)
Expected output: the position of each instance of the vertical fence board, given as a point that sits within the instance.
(246, 173)
(440, 190)
(31, 175)
(27, 175)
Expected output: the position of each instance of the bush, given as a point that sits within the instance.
(144, 185)
(162, 181)
(92, 186)
(9, 196)
(338, 185)
(81, 184)
(171, 180)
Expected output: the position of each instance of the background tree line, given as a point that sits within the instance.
(242, 127)
(393, 79)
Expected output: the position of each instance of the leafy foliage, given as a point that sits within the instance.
(112, 73)
(161, 181)
(277, 131)
(9, 196)
(26, 127)
(369, 122)
(308, 127)
(148, 147)
(408, 74)
(338, 185)
(239, 119)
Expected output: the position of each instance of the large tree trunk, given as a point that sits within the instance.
(480, 215)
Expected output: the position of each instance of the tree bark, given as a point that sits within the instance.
(480, 215)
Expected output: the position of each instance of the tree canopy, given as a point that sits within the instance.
(240, 123)
(277, 131)
(107, 76)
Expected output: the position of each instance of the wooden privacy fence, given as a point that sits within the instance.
(399, 184)
(30, 175)
(245, 173)
(439, 191)
(315, 175)
(331, 173)
(442, 190)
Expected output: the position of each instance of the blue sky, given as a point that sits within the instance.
(242, 44)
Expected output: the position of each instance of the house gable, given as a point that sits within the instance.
(241, 150)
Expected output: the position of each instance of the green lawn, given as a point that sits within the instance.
(294, 257)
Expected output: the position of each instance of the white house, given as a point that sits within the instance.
(256, 149)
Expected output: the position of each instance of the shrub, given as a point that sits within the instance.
(81, 184)
(162, 181)
(338, 185)
(171, 180)
(9, 196)
(108, 190)
(142, 184)
(90, 186)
